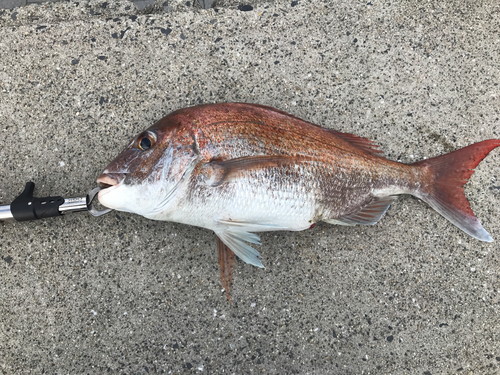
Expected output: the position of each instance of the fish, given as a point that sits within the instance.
(239, 169)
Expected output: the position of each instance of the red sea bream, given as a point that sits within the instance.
(240, 168)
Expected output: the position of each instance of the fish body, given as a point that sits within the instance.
(238, 169)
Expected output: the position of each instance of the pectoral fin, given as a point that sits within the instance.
(226, 264)
(220, 172)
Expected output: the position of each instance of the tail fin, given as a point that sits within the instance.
(443, 189)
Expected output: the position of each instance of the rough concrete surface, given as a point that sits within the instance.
(123, 294)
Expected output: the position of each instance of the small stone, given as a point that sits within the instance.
(166, 31)
(245, 8)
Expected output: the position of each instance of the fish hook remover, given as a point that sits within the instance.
(26, 207)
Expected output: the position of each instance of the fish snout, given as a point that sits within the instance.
(107, 180)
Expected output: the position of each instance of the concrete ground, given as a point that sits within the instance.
(123, 294)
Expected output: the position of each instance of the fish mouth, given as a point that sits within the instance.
(106, 181)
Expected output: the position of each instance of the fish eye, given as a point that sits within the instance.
(146, 141)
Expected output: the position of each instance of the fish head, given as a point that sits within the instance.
(147, 175)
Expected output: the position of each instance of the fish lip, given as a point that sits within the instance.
(107, 181)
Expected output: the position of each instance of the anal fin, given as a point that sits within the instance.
(338, 222)
(226, 264)
(368, 215)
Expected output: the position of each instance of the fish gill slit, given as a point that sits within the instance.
(183, 180)
(196, 145)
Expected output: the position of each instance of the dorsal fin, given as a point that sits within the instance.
(363, 143)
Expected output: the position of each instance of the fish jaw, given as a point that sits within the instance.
(109, 183)
(125, 197)
(152, 195)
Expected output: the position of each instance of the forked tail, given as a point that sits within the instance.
(443, 185)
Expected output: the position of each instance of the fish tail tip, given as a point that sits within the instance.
(443, 190)
(480, 233)
(488, 238)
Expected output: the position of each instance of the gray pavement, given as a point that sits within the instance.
(122, 294)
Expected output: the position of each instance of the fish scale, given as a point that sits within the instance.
(269, 202)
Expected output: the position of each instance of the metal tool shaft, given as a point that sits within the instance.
(5, 213)
(74, 205)
(26, 207)
(69, 205)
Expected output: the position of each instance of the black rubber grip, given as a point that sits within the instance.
(26, 207)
